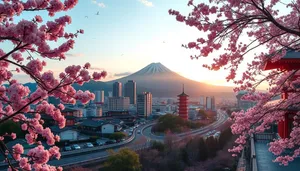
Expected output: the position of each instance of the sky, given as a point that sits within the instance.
(127, 35)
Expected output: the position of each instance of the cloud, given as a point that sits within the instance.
(74, 54)
(122, 74)
(97, 69)
(147, 3)
(100, 4)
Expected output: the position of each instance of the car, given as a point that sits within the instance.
(123, 139)
(138, 131)
(110, 142)
(99, 143)
(89, 145)
(130, 133)
(76, 147)
(67, 148)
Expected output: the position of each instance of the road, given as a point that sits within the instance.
(141, 139)
(221, 119)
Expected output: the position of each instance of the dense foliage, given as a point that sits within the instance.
(241, 36)
(123, 160)
(197, 153)
(117, 135)
(174, 124)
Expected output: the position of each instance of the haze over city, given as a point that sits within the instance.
(138, 31)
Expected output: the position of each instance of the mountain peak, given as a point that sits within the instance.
(153, 68)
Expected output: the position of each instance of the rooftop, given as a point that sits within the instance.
(91, 123)
(265, 159)
(56, 129)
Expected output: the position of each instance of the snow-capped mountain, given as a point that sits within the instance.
(153, 68)
(162, 82)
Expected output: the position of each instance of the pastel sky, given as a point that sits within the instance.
(127, 35)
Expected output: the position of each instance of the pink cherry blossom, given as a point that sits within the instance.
(17, 151)
(241, 36)
(18, 104)
(13, 136)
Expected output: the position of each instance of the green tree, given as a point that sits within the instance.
(202, 113)
(202, 150)
(124, 160)
(212, 146)
(184, 156)
(117, 135)
(11, 127)
(158, 146)
(174, 124)
(225, 136)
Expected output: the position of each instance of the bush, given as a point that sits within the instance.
(117, 136)
(174, 124)
(124, 160)
(158, 146)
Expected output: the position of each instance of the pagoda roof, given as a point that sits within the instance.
(289, 61)
(183, 94)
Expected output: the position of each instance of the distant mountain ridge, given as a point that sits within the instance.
(161, 82)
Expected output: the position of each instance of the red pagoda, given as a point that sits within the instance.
(288, 62)
(183, 105)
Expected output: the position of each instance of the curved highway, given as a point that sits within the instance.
(222, 117)
(141, 140)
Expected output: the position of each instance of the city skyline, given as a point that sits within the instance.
(137, 41)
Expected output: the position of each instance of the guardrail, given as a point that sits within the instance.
(253, 163)
(99, 148)
(97, 159)
(265, 136)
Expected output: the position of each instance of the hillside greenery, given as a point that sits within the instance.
(197, 153)
(123, 160)
(174, 124)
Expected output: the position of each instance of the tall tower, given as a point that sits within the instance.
(183, 105)
(99, 97)
(130, 91)
(144, 104)
(117, 89)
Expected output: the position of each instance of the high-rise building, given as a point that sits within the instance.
(99, 97)
(118, 103)
(144, 104)
(117, 89)
(213, 103)
(110, 94)
(202, 101)
(183, 105)
(210, 103)
(130, 91)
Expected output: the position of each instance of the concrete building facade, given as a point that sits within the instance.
(130, 91)
(118, 103)
(99, 97)
(144, 104)
(117, 89)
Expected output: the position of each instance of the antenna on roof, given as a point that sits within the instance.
(183, 88)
